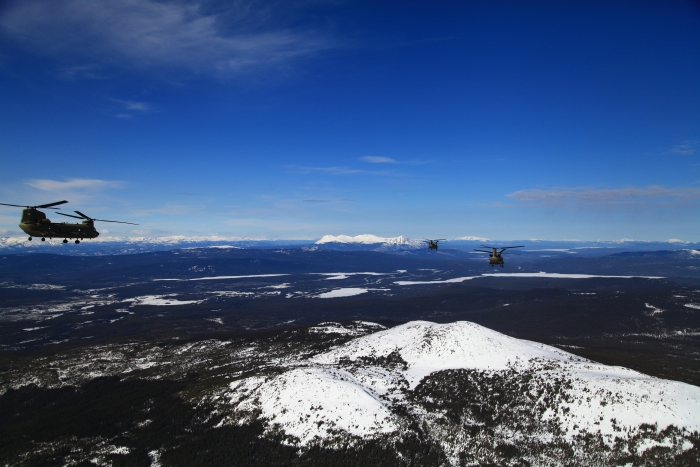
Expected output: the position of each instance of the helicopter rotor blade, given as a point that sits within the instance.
(101, 220)
(508, 247)
(483, 251)
(118, 222)
(84, 216)
(44, 206)
(68, 215)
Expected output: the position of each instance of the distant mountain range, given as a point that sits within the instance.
(369, 239)
(458, 247)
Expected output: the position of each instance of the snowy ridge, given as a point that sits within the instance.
(428, 347)
(170, 240)
(353, 390)
(368, 239)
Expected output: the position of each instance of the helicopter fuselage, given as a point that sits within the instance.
(35, 223)
(495, 258)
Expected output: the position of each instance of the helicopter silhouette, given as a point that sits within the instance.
(496, 256)
(36, 224)
(433, 244)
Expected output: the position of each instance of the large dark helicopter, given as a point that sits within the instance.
(496, 253)
(433, 244)
(35, 223)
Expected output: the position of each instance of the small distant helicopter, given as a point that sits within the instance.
(495, 256)
(35, 223)
(433, 244)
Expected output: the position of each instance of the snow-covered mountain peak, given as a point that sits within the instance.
(368, 239)
(455, 380)
(427, 347)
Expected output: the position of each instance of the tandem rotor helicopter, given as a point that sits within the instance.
(35, 223)
(433, 244)
(495, 255)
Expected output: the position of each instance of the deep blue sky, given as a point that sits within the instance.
(506, 120)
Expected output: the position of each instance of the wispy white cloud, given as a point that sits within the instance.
(240, 36)
(78, 72)
(55, 186)
(651, 195)
(343, 171)
(389, 160)
(378, 160)
(169, 209)
(686, 149)
(132, 106)
(329, 200)
(135, 105)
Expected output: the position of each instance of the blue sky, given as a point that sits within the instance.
(505, 120)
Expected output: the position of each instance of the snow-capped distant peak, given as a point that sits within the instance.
(366, 239)
(473, 239)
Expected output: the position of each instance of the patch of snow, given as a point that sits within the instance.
(655, 311)
(557, 275)
(345, 292)
(554, 275)
(231, 293)
(446, 281)
(155, 458)
(359, 328)
(214, 278)
(161, 300)
(345, 275)
(314, 403)
(695, 306)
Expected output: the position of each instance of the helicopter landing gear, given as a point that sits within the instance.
(65, 240)
(30, 239)
(77, 241)
(43, 239)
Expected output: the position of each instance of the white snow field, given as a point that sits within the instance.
(347, 292)
(160, 300)
(345, 275)
(309, 403)
(217, 278)
(351, 388)
(554, 275)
